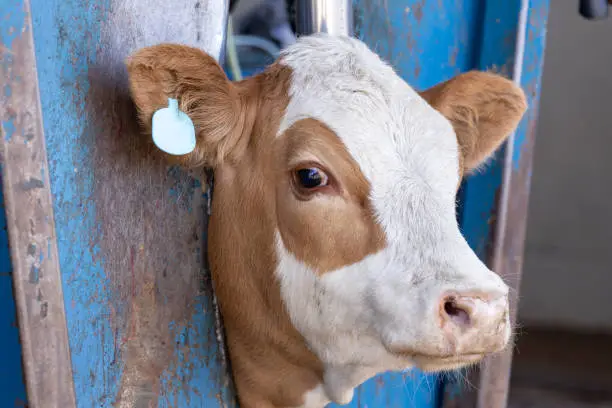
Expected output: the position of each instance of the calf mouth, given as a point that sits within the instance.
(433, 364)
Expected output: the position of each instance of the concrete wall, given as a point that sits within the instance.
(567, 277)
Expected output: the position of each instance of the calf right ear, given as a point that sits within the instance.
(483, 108)
(203, 91)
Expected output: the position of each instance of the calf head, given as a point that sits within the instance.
(334, 246)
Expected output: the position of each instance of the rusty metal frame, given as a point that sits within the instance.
(29, 210)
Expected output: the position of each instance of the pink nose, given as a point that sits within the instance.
(475, 323)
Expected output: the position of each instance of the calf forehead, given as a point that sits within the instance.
(404, 147)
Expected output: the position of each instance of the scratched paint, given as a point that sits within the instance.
(532, 75)
(184, 364)
(497, 54)
(194, 361)
(11, 25)
(12, 386)
(479, 193)
(64, 49)
(35, 276)
(130, 230)
(426, 41)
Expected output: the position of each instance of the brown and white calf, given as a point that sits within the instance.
(334, 246)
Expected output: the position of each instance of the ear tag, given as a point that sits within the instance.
(173, 131)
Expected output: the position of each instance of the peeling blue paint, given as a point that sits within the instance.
(480, 191)
(34, 274)
(12, 22)
(182, 192)
(532, 73)
(12, 385)
(8, 127)
(194, 359)
(63, 56)
(66, 36)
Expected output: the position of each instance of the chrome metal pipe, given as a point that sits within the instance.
(324, 16)
(211, 18)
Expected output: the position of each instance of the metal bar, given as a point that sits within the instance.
(30, 218)
(324, 16)
(12, 385)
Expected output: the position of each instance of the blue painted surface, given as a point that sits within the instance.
(425, 41)
(12, 385)
(531, 81)
(479, 193)
(63, 54)
(11, 23)
(500, 29)
(69, 43)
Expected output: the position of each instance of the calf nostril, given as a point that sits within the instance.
(456, 313)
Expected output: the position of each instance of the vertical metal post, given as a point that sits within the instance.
(325, 16)
(30, 218)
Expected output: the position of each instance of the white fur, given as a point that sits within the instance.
(315, 398)
(354, 316)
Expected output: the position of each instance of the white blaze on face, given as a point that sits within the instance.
(377, 313)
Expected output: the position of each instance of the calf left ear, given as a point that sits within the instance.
(483, 108)
(203, 92)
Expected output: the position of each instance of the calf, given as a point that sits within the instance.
(334, 246)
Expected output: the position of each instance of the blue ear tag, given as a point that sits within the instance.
(173, 131)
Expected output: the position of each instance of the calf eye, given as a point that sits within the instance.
(310, 178)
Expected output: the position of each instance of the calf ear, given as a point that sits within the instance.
(204, 93)
(483, 108)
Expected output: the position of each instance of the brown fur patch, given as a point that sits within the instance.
(271, 363)
(483, 108)
(334, 228)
